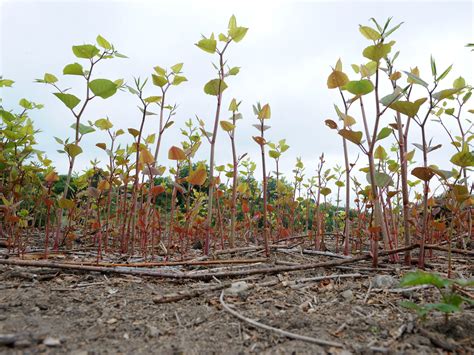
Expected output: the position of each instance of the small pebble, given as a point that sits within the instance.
(51, 342)
(153, 331)
(383, 281)
(348, 295)
(237, 288)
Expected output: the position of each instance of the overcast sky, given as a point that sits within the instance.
(285, 60)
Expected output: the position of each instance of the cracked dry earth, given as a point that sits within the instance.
(58, 312)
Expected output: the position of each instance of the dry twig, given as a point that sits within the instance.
(277, 330)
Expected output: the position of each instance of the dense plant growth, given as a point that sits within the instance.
(133, 203)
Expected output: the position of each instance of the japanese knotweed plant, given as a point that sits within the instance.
(216, 87)
(17, 143)
(263, 113)
(452, 295)
(298, 183)
(358, 89)
(400, 101)
(454, 109)
(229, 126)
(322, 179)
(103, 88)
(20, 182)
(195, 177)
(113, 153)
(178, 155)
(275, 152)
(143, 157)
(164, 79)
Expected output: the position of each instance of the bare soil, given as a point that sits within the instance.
(59, 311)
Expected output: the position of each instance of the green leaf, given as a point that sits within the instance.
(445, 73)
(134, 132)
(337, 79)
(443, 94)
(72, 149)
(177, 68)
(233, 71)
(384, 133)
(464, 158)
(159, 80)
(353, 136)
(150, 139)
(103, 124)
(227, 126)
(26, 104)
(50, 78)
(389, 32)
(179, 79)
(408, 108)
(168, 125)
(86, 51)
(381, 179)
(6, 116)
(159, 70)
(223, 37)
(449, 111)
(6, 83)
(445, 307)
(419, 277)
(237, 33)
(325, 191)
(234, 106)
(73, 69)
(391, 98)
(415, 79)
(118, 55)
(274, 154)
(215, 87)
(377, 51)
(101, 41)
(453, 299)
(207, 45)
(103, 88)
(369, 33)
(360, 87)
(380, 153)
(232, 22)
(265, 113)
(83, 129)
(459, 83)
(443, 174)
(366, 70)
(433, 66)
(69, 100)
(153, 99)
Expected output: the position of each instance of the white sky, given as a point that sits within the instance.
(285, 60)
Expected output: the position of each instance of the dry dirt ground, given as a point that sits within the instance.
(60, 311)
